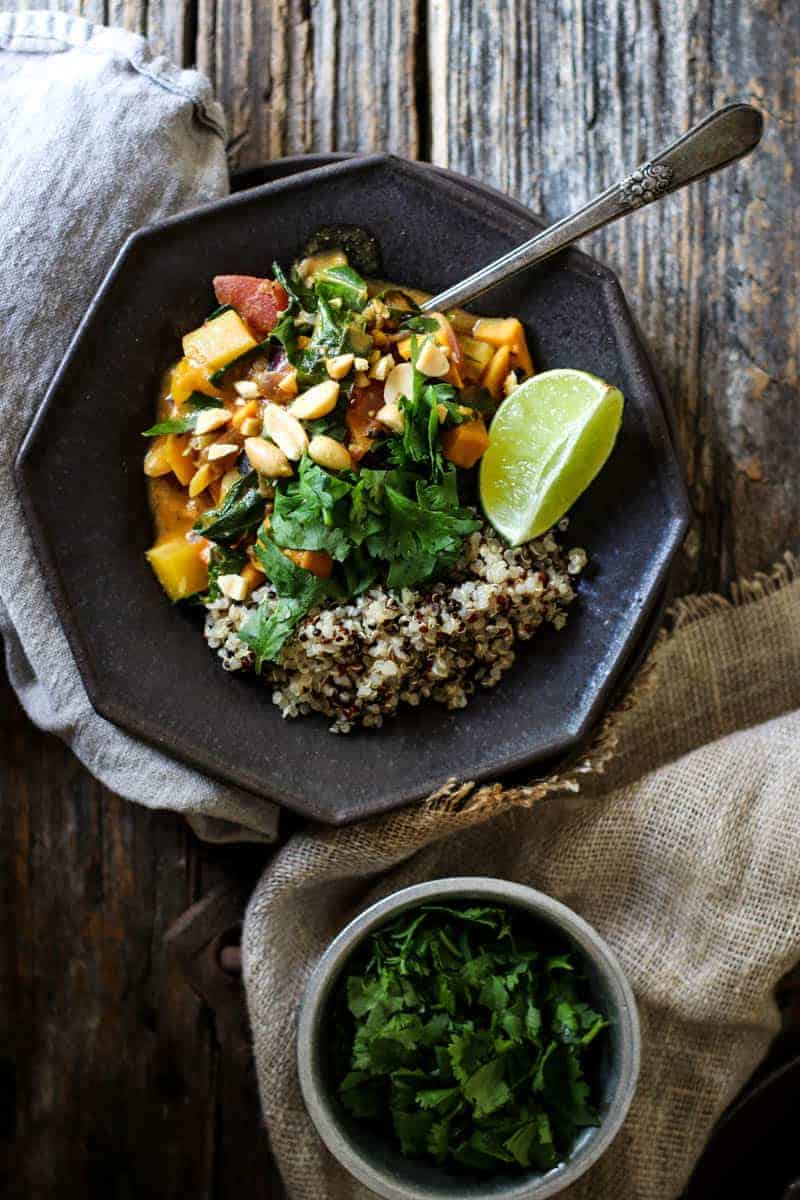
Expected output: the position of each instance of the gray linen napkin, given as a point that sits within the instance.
(97, 137)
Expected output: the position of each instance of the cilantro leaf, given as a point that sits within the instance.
(199, 400)
(362, 1094)
(170, 425)
(312, 512)
(487, 1089)
(412, 1130)
(422, 536)
(196, 401)
(439, 1140)
(267, 629)
(438, 1097)
(531, 1144)
(420, 325)
(467, 1051)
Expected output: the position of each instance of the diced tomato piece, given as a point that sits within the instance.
(257, 301)
(361, 423)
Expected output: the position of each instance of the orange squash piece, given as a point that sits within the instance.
(496, 372)
(243, 413)
(318, 562)
(505, 331)
(179, 567)
(252, 577)
(156, 462)
(182, 465)
(186, 378)
(464, 444)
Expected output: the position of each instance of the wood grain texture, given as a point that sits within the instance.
(112, 1077)
(578, 93)
(294, 77)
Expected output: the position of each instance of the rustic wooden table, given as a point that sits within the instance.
(115, 1078)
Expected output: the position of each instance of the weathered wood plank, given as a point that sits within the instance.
(90, 883)
(112, 1079)
(130, 14)
(171, 28)
(294, 77)
(552, 102)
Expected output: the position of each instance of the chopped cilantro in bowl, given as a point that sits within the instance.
(471, 1037)
(467, 1036)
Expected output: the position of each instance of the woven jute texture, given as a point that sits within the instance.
(677, 837)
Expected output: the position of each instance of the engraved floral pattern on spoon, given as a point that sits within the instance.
(647, 183)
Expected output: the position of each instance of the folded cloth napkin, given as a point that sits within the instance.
(98, 138)
(677, 838)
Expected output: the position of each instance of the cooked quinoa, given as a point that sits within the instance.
(357, 662)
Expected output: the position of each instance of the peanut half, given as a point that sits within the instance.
(316, 402)
(267, 459)
(285, 431)
(329, 453)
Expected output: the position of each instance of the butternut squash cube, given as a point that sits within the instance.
(186, 378)
(496, 372)
(464, 444)
(505, 331)
(477, 356)
(156, 461)
(179, 567)
(252, 577)
(497, 331)
(318, 562)
(182, 465)
(218, 342)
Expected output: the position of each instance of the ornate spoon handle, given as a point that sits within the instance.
(724, 135)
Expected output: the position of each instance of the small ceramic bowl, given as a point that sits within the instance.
(374, 1160)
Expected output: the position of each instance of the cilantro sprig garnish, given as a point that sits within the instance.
(468, 1040)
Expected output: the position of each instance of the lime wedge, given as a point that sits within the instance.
(547, 442)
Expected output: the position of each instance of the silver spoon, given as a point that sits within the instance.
(724, 135)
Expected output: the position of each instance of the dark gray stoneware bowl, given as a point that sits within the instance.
(375, 1161)
(145, 664)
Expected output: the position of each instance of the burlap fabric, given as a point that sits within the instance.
(678, 838)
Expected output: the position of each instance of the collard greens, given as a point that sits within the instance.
(467, 1040)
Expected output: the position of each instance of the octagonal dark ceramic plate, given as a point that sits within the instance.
(145, 664)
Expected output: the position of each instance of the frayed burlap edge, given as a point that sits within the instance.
(490, 799)
(743, 592)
